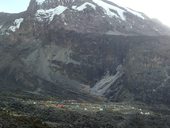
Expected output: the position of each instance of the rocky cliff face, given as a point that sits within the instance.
(82, 49)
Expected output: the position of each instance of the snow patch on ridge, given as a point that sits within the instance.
(83, 6)
(40, 2)
(16, 25)
(135, 13)
(108, 9)
(49, 14)
(1, 32)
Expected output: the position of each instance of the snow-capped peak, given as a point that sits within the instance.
(109, 7)
(83, 6)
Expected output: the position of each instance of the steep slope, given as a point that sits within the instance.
(81, 49)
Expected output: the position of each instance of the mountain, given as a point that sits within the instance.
(87, 16)
(85, 50)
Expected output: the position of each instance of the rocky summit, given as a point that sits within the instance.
(84, 50)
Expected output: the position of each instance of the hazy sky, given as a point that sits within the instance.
(13, 6)
(153, 8)
(159, 9)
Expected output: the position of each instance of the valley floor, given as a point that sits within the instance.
(55, 113)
